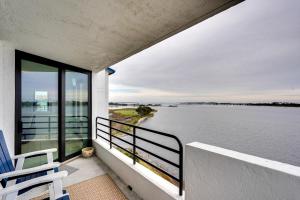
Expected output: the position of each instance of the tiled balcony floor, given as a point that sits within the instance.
(91, 167)
(82, 169)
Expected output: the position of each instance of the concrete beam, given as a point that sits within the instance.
(95, 34)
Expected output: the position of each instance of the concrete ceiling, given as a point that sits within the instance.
(94, 34)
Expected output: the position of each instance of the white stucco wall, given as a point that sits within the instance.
(7, 93)
(99, 97)
(144, 182)
(213, 173)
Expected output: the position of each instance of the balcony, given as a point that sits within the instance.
(119, 171)
(93, 176)
(55, 59)
(99, 182)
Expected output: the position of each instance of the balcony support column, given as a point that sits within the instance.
(7, 93)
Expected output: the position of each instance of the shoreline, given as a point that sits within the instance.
(145, 118)
(128, 116)
(128, 111)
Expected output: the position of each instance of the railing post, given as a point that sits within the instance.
(96, 131)
(110, 132)
(180, 169)
(133, 149)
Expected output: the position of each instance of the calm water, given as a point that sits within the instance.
(268, 132)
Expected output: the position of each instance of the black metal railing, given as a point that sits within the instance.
(134, 146)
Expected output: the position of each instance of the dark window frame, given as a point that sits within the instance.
(62, 67)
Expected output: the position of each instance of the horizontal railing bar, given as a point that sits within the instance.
(170, 175)
(116, 137)
(115, 129)
(103, 137)
(157, 156)
(145, 129)
(121, 131)
(122, 148)
(103, 124)
(144, 139)
(102, 131)
(115, 144)
(160, 145)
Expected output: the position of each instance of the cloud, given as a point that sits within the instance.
(247, 53)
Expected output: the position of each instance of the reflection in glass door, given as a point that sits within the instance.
(76, 112)
(39, 109)
(52, 107)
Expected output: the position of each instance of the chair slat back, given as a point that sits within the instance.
(6, 164)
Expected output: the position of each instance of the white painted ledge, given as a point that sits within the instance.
(215, 173)
(144, 182)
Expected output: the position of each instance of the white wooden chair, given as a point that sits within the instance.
(16, 180)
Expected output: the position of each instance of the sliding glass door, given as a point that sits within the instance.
(39, 108)
(76, 112)
(52, 107)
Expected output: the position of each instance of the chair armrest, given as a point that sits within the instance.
(20, 173)
(34, 182)
(34, 153)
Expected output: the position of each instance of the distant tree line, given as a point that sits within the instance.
(132, 104)
(276, 104)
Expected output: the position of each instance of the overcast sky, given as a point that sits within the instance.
(249, 53)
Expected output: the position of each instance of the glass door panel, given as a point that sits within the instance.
(52, 107)
(76, 112)
(39, 109)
